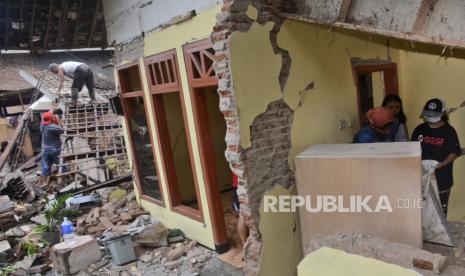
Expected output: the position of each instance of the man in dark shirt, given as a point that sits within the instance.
(439, 141)
(51, 144)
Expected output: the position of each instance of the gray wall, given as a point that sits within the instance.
(127, 19)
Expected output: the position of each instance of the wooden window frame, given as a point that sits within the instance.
(203, 135)
(205, 80)
(391, 81)
(126, 108)
(162, 133)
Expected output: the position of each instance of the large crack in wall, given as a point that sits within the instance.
(263, 163)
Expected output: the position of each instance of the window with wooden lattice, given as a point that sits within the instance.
(199, 57)
(161, 72)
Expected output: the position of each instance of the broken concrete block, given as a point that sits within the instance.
(173, 264)
(15, 232)
(5, 203)
(40, 219)
(72, 258)
(371, 247)
(125, 216)
(117, 194)
(146, 258)
(175, 253)
(5, 250)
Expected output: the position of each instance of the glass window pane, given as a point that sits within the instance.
(142, 147)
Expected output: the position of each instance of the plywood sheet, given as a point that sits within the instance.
(389, 171)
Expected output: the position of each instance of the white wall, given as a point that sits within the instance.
(126, 19)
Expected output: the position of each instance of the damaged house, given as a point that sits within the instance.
(243, 87)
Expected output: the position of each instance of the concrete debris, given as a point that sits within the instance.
(148, 231)
(172, 264)
(15, 232)
(176, 253)
(72, 258)
(376, 248)
(5, 251)
(5, 203)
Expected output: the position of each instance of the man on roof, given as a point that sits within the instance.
(80, 73)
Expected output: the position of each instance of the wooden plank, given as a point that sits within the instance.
(12, 141)
(354, 172)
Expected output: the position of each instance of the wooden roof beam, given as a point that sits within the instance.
(47, 30)
(422, 14)
(7, 17)
(94, 22)
(31, 34)
(63, 14)
(76, 27)
(344, 10)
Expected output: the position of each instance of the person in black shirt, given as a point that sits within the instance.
(439, 141)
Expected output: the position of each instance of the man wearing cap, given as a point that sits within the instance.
(51, 143)
(439, 141)
(380, 128)
(79, 72)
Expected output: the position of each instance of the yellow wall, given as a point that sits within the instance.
(323, 56)
(170, 38)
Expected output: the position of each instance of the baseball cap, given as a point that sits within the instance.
(434, 108)
(47, 118)
(380, 116)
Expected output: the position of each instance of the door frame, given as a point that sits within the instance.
(391, 81)
(203, 134)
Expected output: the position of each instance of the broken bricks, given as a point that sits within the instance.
(72, 258)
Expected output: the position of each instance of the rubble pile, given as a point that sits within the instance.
(114, 216)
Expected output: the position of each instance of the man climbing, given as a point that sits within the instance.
(80, 73)
(51, 143)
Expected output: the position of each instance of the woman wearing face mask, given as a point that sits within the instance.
(439, 142)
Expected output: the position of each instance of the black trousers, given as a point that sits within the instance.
(82, 75)
(444, 197)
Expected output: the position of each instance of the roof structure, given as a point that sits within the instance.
(47, 83)
(40, 25)
(428, 21)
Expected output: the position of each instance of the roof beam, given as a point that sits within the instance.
(422, 14)
(76, 27)
(7, 17)
(344, 10)
(94, 22)
(31, 35)
(63, 14)
(21, 22)
(47, 30)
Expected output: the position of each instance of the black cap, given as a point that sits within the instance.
(434, 108)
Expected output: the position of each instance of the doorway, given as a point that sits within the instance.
(211, 130)
(374, 81)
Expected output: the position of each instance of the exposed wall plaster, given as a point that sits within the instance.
(261, 161)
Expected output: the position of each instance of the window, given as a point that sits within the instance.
(163, 77)
(139, 132)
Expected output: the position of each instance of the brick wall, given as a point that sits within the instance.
(264, 164)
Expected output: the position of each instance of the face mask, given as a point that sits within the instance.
(433, 120)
